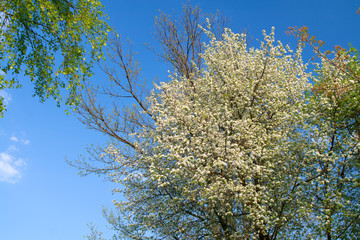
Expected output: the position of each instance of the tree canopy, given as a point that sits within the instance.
(244, 143)
(241, 149)
(54, 43)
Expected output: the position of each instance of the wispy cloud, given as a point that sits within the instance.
(22, 140)
(6, 96)
(12, 148)
(10, 168)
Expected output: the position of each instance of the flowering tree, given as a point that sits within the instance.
(224, 140)
(222, 159)
(237, 146)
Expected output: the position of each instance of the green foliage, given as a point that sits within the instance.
(33, 32)
(333, 125)
(338, 79)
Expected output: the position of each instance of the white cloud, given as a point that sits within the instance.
(6, 96)
(10, 168)
(15, 139)
(11, 165)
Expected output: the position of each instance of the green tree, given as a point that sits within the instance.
(335, 106)
(343, 89)
(333, 125)
(33, 32)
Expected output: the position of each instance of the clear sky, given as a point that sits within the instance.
(41, 196)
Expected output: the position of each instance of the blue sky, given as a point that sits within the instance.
(41, 196)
